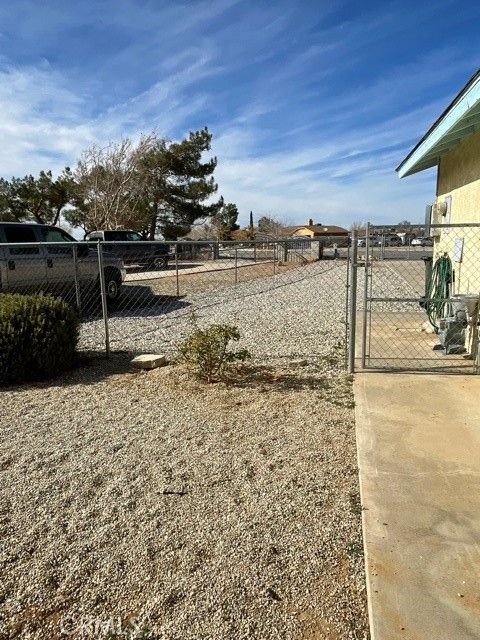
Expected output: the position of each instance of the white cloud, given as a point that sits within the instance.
(347, 178)
(45, 124)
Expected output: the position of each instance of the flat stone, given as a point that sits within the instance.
(149, 361)
(299, 362)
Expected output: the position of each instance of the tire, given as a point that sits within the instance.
(113, 283)
(160, 262)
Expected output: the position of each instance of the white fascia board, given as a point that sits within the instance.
(414, 163)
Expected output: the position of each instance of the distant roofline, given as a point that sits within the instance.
(316, 226)
(448, 129)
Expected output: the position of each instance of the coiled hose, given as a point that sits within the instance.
(438, 290)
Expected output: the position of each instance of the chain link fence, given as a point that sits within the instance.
(287, 297)
(419, 302)
(413, 299)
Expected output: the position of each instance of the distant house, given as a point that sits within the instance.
(318, 230)
(311, 230)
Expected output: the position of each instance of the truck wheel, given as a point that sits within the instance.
(113, 282)
(159, 263)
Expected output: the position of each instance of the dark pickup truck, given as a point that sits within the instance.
(133, 249)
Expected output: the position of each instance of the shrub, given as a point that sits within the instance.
(38, 337)
(206, 350)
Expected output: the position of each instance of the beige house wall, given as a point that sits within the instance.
(459, 178)
(304, 232)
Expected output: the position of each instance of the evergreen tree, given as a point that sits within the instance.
(153, 185)
(176, 185)
(41, 199)
(225, 221)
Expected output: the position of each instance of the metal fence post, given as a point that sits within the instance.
(347, 304)
(320, 250)
(365, 296)
(176, 270)
(285, 251)
(254, 251)
(352, 323)
(274, 258)
(476, 368)
(77, 283)
(236, 264)
(103, 294)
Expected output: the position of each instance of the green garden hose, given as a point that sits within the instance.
(438, 290)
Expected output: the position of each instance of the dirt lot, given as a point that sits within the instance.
(135, 503)
(204, 277)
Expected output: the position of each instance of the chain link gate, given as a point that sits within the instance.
(419, 298)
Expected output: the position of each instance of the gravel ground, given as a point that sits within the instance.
(218, 511)
(397, 279)
(150, 501)
(307, 305)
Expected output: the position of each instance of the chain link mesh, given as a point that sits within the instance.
(420, 307)
(417, 309)
(287, 297)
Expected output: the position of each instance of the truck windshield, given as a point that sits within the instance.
(55, 235)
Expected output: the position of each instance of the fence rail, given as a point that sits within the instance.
(410, 303)
(137, 296)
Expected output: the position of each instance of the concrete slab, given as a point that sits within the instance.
(398, 341)
(149, 361)
(418, 439)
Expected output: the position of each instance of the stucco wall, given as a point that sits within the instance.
(459, 177)
(307, 233)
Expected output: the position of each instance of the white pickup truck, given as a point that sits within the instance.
(37, 257)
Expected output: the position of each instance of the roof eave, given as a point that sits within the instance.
(460, 119)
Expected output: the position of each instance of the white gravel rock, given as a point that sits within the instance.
(151, 502)
(294, 314)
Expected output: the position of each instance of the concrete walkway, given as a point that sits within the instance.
(419, 456)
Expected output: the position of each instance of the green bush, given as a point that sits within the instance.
(206, 350)
(38, 337)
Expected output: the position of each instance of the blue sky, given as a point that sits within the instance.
(312, 103)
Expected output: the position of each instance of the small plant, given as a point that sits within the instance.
(206, 350)
(38, 337)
